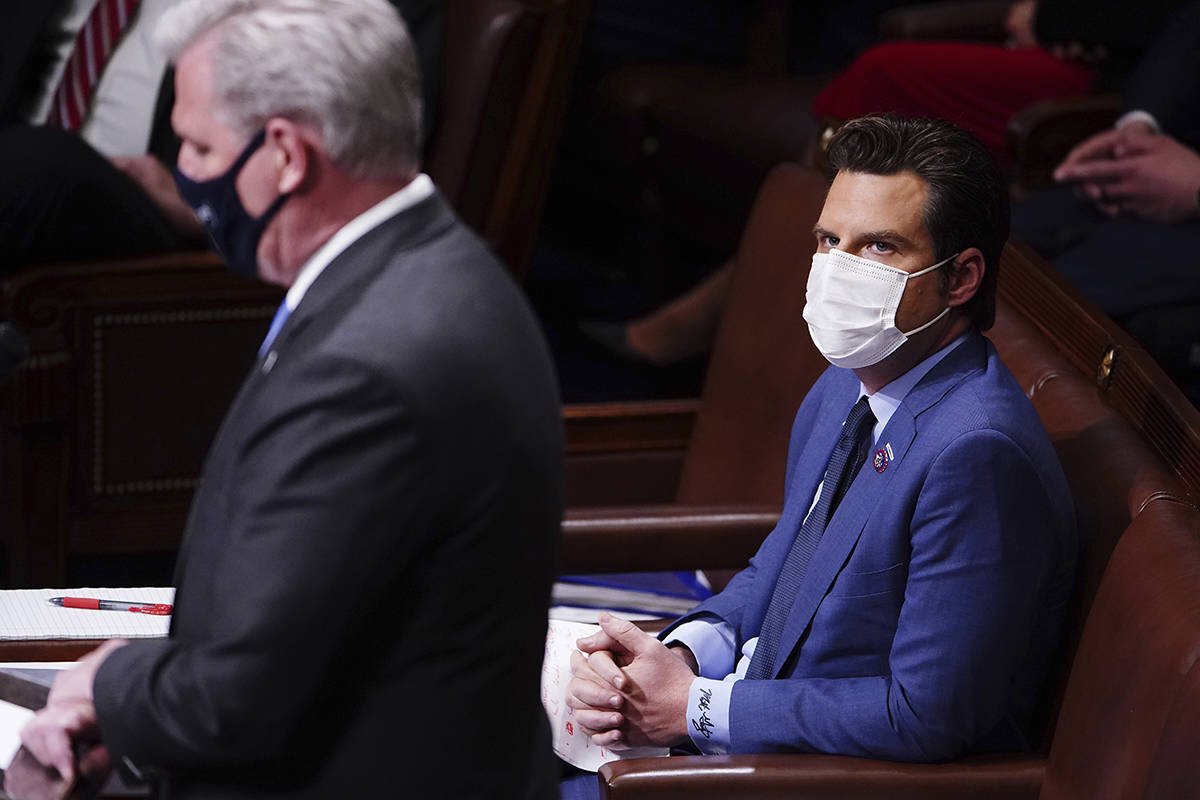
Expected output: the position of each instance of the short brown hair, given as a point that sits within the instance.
(968, 199)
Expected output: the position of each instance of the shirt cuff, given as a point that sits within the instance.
(1138, 115)
(713, 643)
(708, 715)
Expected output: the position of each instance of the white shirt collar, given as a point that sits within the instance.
(417, 190)
(885, 401)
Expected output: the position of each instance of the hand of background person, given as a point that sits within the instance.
(1019, 24)
(1133, 171)
(70, 717)
(628, 688)
(157, 182)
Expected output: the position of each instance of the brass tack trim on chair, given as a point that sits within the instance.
(1108, 365)
(99, 324)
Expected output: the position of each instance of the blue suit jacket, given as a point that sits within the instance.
(932, 604)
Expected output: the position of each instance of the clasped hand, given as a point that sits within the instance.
(1132, 171)
(628, 689)
(70, 717)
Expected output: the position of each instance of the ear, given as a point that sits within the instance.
(965, 276)
(290, 147)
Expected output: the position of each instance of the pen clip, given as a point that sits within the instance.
(158, 609)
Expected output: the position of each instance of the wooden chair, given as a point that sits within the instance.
(736, 435)
(508, 66)
(104, 429)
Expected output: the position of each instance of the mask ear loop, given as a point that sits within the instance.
(945, 310)
(921, 272)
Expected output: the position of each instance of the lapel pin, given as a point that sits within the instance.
(883, 457)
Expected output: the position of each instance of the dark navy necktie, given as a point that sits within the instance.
(845, 461)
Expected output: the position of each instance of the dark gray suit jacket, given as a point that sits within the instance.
(363, 585)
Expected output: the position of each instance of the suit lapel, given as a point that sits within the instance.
(360, 262)
(870, 487)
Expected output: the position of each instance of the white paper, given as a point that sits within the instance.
(592, 615)
(570, 743)
(28, 614)
(12, 719)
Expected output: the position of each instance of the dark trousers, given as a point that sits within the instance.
(1122, 264)
(60, 200)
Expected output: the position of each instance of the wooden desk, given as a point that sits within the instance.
(46, 649)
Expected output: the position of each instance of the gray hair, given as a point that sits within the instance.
(345, 67)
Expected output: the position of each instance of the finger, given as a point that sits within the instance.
(603, 665)
(586, 694)
(599, 721)
(1104, 171)
(627, 635)
(581, 668)
(597, 641)
(608, 739)
(1097, 147)
(50, 745)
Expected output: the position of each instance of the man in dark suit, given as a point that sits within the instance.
(66, 196)
(907, 604)
(1124, 225)
(363, 584)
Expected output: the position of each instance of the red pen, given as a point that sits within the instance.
(158, 609)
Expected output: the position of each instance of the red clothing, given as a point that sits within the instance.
(977, 86)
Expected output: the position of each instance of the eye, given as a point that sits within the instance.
(881, 248)
(825, 240)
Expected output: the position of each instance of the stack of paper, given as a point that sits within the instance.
(570, 742)
(636, 595)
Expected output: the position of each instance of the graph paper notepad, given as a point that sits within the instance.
(28, 614)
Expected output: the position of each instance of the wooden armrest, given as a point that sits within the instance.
(974, 20)
(47, 649)
(629, 427)
(1041, 134)
(634, 539)
(626, 453)
(806, 777)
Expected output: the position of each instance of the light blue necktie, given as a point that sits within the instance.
(847, 457)
(281, 315)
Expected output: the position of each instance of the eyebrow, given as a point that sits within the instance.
(887, 235)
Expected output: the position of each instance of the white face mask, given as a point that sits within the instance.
(850, 308)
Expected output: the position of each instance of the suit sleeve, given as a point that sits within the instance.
(329, 504)
(1166, 83)
(984, 544)
(1124, 28)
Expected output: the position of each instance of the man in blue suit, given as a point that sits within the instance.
(906, 606)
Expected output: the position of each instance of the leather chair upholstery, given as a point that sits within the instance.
(504, 84)
(104, 429)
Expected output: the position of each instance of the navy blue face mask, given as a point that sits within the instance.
(234, 233)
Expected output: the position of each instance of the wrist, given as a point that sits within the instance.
(685, 654)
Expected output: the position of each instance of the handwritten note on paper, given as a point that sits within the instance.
(27, 614)
(570, 743)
